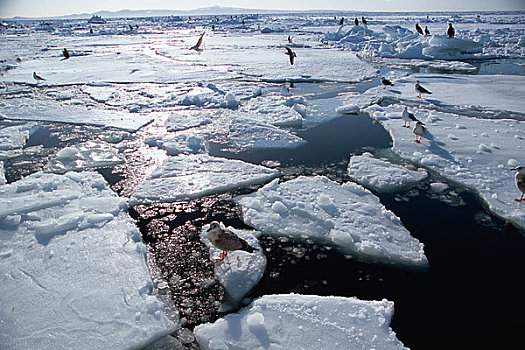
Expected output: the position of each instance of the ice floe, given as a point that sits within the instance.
(191, 176)
(311, 322)
(186, 120)
(41, 110)
(347, 216)
(179, 143)
(2, 173)
(14, 136)
(475, 152)
(240, 271)
(73, 268)
(83, 156)
(382, 176)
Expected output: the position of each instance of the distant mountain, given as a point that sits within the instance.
(213, 10)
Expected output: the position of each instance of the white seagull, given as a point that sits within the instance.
(419, 130)
(421, 90)
(520, 181)
(226, 240)
(408, 117)
(37, 77)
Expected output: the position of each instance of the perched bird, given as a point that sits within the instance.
(197, 46)
(290, 38)
(418, 28)
(37, 77)
(408, 117)
(226, 240)
(520, 181)
(419, 130)
(451, 31)
(65, 53)
(341, 21)
(90, 30)
(427, 32)
(363, 20)
(130, 27)
(386, 82)
(290, 53)
(421, 90)
(356, 21)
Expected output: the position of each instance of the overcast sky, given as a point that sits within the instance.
(42, 8)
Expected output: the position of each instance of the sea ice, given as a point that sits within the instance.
(179, 143)
(14, 136)
(293, 321)
(240, 271)
(275, 109)
(53, 111)
(186, 120)
(83, 156)
(476, 152)
(73, 268)
(191, 176)
(2, 173)
(381, 175)
(347, 216)
(248, 133)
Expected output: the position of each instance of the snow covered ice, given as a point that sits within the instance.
(311, 322)
(346, 216)
(192, 176)
(381, 175)
(240, 271)
(72, 259)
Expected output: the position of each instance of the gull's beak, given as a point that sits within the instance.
(515, 169)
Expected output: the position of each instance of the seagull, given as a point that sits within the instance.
(290, 53)
(418, 28)
(356, 21)
(408, 117)
(421, 90)
(37, 77)
(363, 20)
(451, 32)
(197, 46)
(341, 21)
(427, 32)
(226, 240)
(520, 181)
(65, 53)
(386, 82)
(290, 38)
(419, 130)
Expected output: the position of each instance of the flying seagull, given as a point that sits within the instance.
(408, 117)
(451, 31)
(197, 46)
(386, 82)
(290, 53)
(418, 28)
(290, 38)
(421, 90)
(65, 53)
(419, 130)
(226, 240)
(520, 181)
(37, 77)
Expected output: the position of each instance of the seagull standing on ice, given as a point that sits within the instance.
(451, 31)
(226, 240)
(65, 53)
(341, 21)
(363, 20)
(197, 46)
(421, 90)
(356, 21)
(520, 181)
(386, 82)
(419, 130)
(290, 53)
(427, 32)
(418, 28)
(408, 117)
(37, 77)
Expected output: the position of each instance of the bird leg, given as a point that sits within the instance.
(417, 140)
(419, 96)
(221, 256)
(521, 199)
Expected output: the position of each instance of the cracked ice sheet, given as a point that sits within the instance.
(347, 216)
(53, 111)
(475, 152)
(73, 268)
(14, 136)
(488, 96)
(382, 176)
(311, 322)
(192, 176)
(240, 271)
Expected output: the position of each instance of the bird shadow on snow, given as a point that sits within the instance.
(435, 147)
